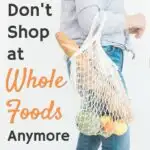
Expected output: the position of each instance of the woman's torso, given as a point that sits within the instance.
(69, 22)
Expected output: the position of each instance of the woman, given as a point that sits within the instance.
(76, 20)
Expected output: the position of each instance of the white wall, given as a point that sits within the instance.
(137, 74)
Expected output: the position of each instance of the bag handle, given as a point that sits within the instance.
(97, 24)
(95, 32)
(97, 27)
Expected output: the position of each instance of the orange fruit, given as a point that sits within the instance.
(109, 127)
(107, 123)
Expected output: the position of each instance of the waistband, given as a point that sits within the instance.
(124, 47)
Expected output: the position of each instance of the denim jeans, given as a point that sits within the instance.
(114, 142)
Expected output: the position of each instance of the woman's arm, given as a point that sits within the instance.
(116, 22)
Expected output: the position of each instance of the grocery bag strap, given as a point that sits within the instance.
(94, 33)
(96, 28)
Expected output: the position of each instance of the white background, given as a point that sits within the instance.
(43, 56)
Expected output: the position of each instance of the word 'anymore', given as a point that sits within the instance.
(37, 136)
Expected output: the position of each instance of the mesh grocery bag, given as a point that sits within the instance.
(105, 106)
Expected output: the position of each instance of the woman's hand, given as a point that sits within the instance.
(136, 24)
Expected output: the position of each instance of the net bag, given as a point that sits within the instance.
(105, 106)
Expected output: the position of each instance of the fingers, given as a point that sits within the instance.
(139, 33)
(136, 24)
(133, 30)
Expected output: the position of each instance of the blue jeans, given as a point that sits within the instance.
(114, 142)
